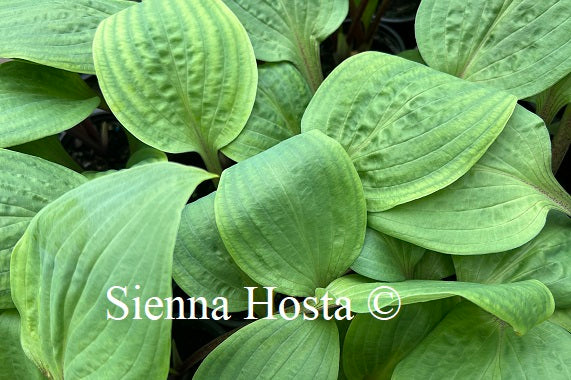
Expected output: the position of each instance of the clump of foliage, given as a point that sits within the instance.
(422, 174)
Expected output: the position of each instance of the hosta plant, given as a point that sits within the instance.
(427, 176)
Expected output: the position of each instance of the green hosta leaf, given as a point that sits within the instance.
(500, 204)
(61, 274)
(412, 55)
(38, 101)
(27, 184)
(49, 148)
(180, 75)
(552, 100)
(546, 258)
(385, 258)
(56, 33)
(409, 130)
(13, 362)
(520, 46)
(146, 156)
(202, 266)
(291, 30)
(522, 304)
(293, 216)
(276, 349)
(471, 342)
(281, 100)
(373, 348)
(562, 318)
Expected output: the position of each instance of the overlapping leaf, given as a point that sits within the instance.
(179, 75)
(293, 216)
(500, 204)
(13, 362)
(373, 348)
(519, 46)
(408, 129)
(38, 101)
(522, 304)
(291, 30)
(49, 148)
(552, 100)
(202, 266)
(280, 102)
(276, 349)
(470, 341)
(385, 258)
(97, 236)
(27, 184)
(546, 258)
(56, 33)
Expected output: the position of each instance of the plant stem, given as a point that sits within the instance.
(561, 141)
(372, 29)
(212, 163)
(311, 67)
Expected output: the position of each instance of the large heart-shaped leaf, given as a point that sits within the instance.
(281, 100)
(500, 204)
(385, 258)
(202, 266)
(293, 216)
(13, 362)
(373, 348)
(101, 235)
(56, 33)
(27, 184)
(520, 46)
(38, 101)
(522, 304)
(471, 342)
(276, 349)
(546, 258)
(409, 130)
(180, 75)
(291, 30)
